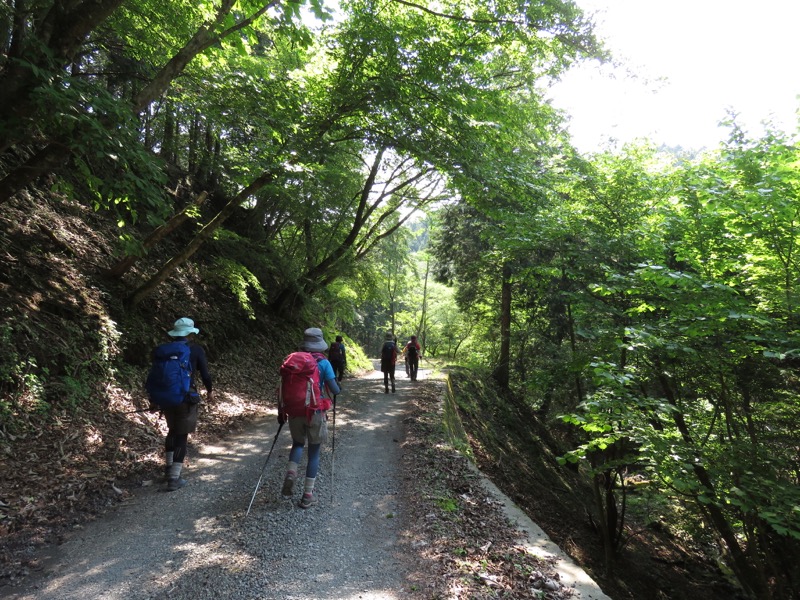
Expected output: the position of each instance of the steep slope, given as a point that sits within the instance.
(510, 445)
(72, 364)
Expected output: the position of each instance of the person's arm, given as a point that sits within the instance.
(200, 363)
(333, 386)
(329, 377)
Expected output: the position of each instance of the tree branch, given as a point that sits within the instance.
(456, 17)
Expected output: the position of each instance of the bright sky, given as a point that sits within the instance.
(695, 59)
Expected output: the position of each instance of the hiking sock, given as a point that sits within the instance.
(308, 500)
(168, 460)
(174, 481)
(174, 470)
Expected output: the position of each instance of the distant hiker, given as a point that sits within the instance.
(338, 358)
(172, 386)
(307, 383)
(411, 352)
(388, 361)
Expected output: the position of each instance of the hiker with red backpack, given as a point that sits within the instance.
(411, 351)
(172, 388)
(338, 358)
(304, 397)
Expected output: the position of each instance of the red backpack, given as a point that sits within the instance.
(299, 393)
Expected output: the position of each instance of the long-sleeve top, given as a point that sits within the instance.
(327, 378)
(197, 357)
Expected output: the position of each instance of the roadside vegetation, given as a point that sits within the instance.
(393, 166)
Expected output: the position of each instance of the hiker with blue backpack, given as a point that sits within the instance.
(171, 385)
(304, 397)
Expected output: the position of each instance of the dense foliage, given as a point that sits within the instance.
(646, 300)
(653, 309)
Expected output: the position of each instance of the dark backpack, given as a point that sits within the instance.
(387, 351)
(411, 350)
(336, 354)
(170, 378)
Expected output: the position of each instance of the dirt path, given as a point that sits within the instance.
(364, 540)
(196, 543)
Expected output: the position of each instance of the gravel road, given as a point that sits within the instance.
(197, 543)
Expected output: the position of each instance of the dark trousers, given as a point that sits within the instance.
(181, 421)
(176, 443)
(387, 375)
(413, 367)
(338, 369)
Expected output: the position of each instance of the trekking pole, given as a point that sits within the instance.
(264, 468)
(333, 446)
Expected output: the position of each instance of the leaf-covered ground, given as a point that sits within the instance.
(461, 529)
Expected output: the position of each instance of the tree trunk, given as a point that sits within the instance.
(573, 342)
(421, 331)
(204, 234)
(125, 265)
(601, 501)
(168, 139)
(746, 573)
(502, 373)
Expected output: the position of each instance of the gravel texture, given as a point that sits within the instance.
(198, 542)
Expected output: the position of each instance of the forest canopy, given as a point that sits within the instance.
(395, 166)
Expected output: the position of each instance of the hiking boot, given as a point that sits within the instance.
(393, 388)
(288, 486)
(307, 501)
(175, 483)
(386, 390)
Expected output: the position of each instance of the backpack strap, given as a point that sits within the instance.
(319, 357)
(310, 393)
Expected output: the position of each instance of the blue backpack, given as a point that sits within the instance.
(170, 377)
(386, 351)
